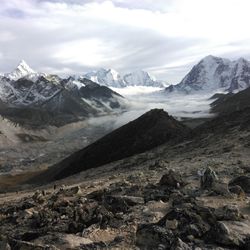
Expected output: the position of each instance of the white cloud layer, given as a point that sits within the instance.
(165, 37)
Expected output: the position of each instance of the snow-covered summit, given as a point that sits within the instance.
(111, 78)
(214, 73)
(22, 70)
(107, 77)
(141, 78)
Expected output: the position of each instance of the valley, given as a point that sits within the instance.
(89, 166)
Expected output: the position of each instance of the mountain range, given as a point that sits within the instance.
(33, 98)
(214, 74)
(38, 99)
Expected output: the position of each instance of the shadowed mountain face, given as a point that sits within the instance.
(226, 104)
(148, 131)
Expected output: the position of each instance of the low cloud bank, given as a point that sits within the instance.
(142, 99)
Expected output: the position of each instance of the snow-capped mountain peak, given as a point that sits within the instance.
(107, 77)
(24, 67)
(22, 70)
(213, 74)
(112, 78)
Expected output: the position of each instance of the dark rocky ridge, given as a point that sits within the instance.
(146, 132)
(231, 102)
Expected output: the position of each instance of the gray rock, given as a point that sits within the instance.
(222, 235)
(208, 179)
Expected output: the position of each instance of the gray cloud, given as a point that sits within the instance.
(76, 36)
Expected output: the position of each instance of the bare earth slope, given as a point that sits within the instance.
(160, 199)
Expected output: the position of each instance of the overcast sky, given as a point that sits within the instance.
(164, 37)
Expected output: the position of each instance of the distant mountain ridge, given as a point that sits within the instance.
(32, 98)
(111, 78)
(213, 74)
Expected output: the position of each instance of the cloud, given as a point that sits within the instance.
(165, 37)
(142, 100)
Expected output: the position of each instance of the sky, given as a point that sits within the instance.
(163, 37)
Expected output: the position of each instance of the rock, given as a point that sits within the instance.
(38, 197)
(172, 224)
(180, 245)
(221, 189)
(231, 212)
(73, 191)
(74, 227)
(160, 164)
(242, 181)
(192, 220)
(172, 179)
(222, 235)
(24, 245)
(238, 191)
(208, 179)
(116, 204)
(150, 236)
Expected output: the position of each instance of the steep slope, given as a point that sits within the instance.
(215, 74)
(231, 102)
(149, 130)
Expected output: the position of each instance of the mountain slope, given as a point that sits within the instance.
(149, 130)
(215, 74)
(100, 97)
(231, 102)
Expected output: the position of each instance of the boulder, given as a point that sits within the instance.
(150, 236)
(208, 179)
(172, 179)
(222, 234)
(242, 181)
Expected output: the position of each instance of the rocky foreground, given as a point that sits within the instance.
(193, 195)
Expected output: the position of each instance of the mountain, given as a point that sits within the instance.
(231, 102)
(37, 100)
(22, 70)
(148, 131)
(107, 77)
(111, 78)
(141, 78)
(100, 97)
(213, 74)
